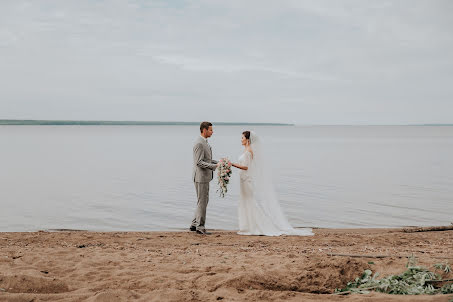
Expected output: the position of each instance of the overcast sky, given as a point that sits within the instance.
(304, 62)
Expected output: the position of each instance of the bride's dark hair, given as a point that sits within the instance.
(246, 134)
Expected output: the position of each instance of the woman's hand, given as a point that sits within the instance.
(239, 166)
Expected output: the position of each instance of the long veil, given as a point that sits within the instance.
(264, 191)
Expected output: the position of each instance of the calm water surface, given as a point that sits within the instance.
(139, 178)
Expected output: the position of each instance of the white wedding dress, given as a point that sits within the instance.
(259, 211)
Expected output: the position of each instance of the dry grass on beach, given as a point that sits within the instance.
(183, 266)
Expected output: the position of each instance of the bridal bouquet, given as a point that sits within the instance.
(223, 173)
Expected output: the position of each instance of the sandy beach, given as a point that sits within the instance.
(183, 266)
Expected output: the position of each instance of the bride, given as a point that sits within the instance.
(259, 209)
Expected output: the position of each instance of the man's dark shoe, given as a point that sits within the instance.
(203, 232)
(192, 228)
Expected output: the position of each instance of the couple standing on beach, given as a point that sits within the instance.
(259, 211)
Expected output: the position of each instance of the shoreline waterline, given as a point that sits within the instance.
(180, 230)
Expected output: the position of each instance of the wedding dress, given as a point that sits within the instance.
(259, 211)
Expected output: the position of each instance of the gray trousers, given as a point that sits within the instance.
(202, 189)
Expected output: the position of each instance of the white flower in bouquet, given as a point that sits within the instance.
(224, 172)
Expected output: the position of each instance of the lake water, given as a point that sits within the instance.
(139, 177)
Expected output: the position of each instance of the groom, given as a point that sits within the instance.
(203, 167)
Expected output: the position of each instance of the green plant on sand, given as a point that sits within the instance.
(416, 280)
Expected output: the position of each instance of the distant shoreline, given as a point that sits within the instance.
(11, 122)
(122, 123)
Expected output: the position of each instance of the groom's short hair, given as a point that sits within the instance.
(205, 125)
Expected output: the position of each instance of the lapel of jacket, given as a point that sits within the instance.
(209, 148)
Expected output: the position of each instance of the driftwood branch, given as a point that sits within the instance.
(439, 281)
(343, 293)
(379, 256)
(361, 256)
(350, 291)
(429, 229)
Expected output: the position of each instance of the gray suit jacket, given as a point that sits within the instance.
(203, 164)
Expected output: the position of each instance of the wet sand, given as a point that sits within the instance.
(184, 266)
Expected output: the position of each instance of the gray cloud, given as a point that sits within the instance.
(308, 62)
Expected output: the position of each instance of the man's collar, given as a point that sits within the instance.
(206, 140)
